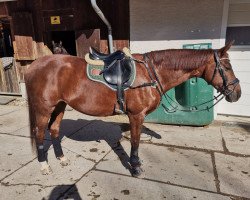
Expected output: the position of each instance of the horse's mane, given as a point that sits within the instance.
(176, 59)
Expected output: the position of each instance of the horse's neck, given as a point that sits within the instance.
(172, 76)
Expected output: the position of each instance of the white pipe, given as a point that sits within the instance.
(101, 15)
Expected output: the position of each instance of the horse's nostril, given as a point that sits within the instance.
(233, 97)
(238, 95)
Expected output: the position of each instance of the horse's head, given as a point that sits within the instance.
(58, 48)
(220, 74)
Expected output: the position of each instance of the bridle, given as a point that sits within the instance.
(156, 83)
(218, 68)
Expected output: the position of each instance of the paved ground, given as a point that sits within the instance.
(180, 162)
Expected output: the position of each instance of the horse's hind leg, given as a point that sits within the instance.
(42, 122)
(54, 126)
(136, 122)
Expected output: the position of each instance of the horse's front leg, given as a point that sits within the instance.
(136, 122)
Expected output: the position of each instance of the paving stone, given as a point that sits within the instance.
(234, 174)
(14, 153)
(94, 186)
(94, 140)
(30, 174)
(233, 119)
(183, 167)
(34, 192)
(70, 124)
(14, 120)
(74, 115)
(8, 109)
(5, 100)
(22, 192)
(24, 131)
(237, 137)
(197, 137)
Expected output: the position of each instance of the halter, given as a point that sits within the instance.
(225, 91)
(218, 68)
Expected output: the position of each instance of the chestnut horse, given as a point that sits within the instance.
(54, 81)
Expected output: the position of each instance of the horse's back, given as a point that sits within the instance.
(54, 74)
(51, 63)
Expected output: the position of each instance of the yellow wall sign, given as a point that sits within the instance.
(55, 20)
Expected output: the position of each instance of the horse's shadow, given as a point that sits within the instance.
(59, 192)
(98, 130)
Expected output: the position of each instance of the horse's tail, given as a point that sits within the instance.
(32, 119)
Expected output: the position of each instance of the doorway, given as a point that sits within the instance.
(6, 47)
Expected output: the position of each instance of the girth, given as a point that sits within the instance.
(117, 71)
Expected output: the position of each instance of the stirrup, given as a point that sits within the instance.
(121, 109)
(119, 112)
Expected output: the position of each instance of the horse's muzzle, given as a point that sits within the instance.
(234, 95)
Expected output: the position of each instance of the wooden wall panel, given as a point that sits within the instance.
(23, 31)
(9, 79)
(85, 39)
(3, 9)
(24, 48)
(21, 67)
(118, 45)
(23, 24)
(116, 11)
(56, 4)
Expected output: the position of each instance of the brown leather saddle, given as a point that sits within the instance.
(117, 71)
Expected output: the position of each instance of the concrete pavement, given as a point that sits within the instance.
(179, 162)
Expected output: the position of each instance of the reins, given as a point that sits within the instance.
(156, 83)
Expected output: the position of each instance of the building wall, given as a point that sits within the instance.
(238, 16)
(170, 24)
(164, 24)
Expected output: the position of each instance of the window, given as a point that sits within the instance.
(240, 35)
(238, 28)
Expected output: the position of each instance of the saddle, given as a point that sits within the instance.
(117, 71)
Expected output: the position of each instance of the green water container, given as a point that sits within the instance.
(189, 95)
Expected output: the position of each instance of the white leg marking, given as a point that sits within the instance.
(45, 168)
(64, 161)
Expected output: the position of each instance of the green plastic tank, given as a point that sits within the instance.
(187, 96)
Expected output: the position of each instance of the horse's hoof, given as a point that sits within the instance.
(64, 161)
(46, 170)
(137, 172)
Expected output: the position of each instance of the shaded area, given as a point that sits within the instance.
(97, 130)
(243, 125)
(60, 190)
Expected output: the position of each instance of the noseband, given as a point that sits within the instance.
(219, 68)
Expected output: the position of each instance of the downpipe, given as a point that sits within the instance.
(101, 15)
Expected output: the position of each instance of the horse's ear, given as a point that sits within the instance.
(224, 49)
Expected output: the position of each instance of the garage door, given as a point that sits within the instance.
(239, 30)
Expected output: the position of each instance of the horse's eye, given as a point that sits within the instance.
(229, 67)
